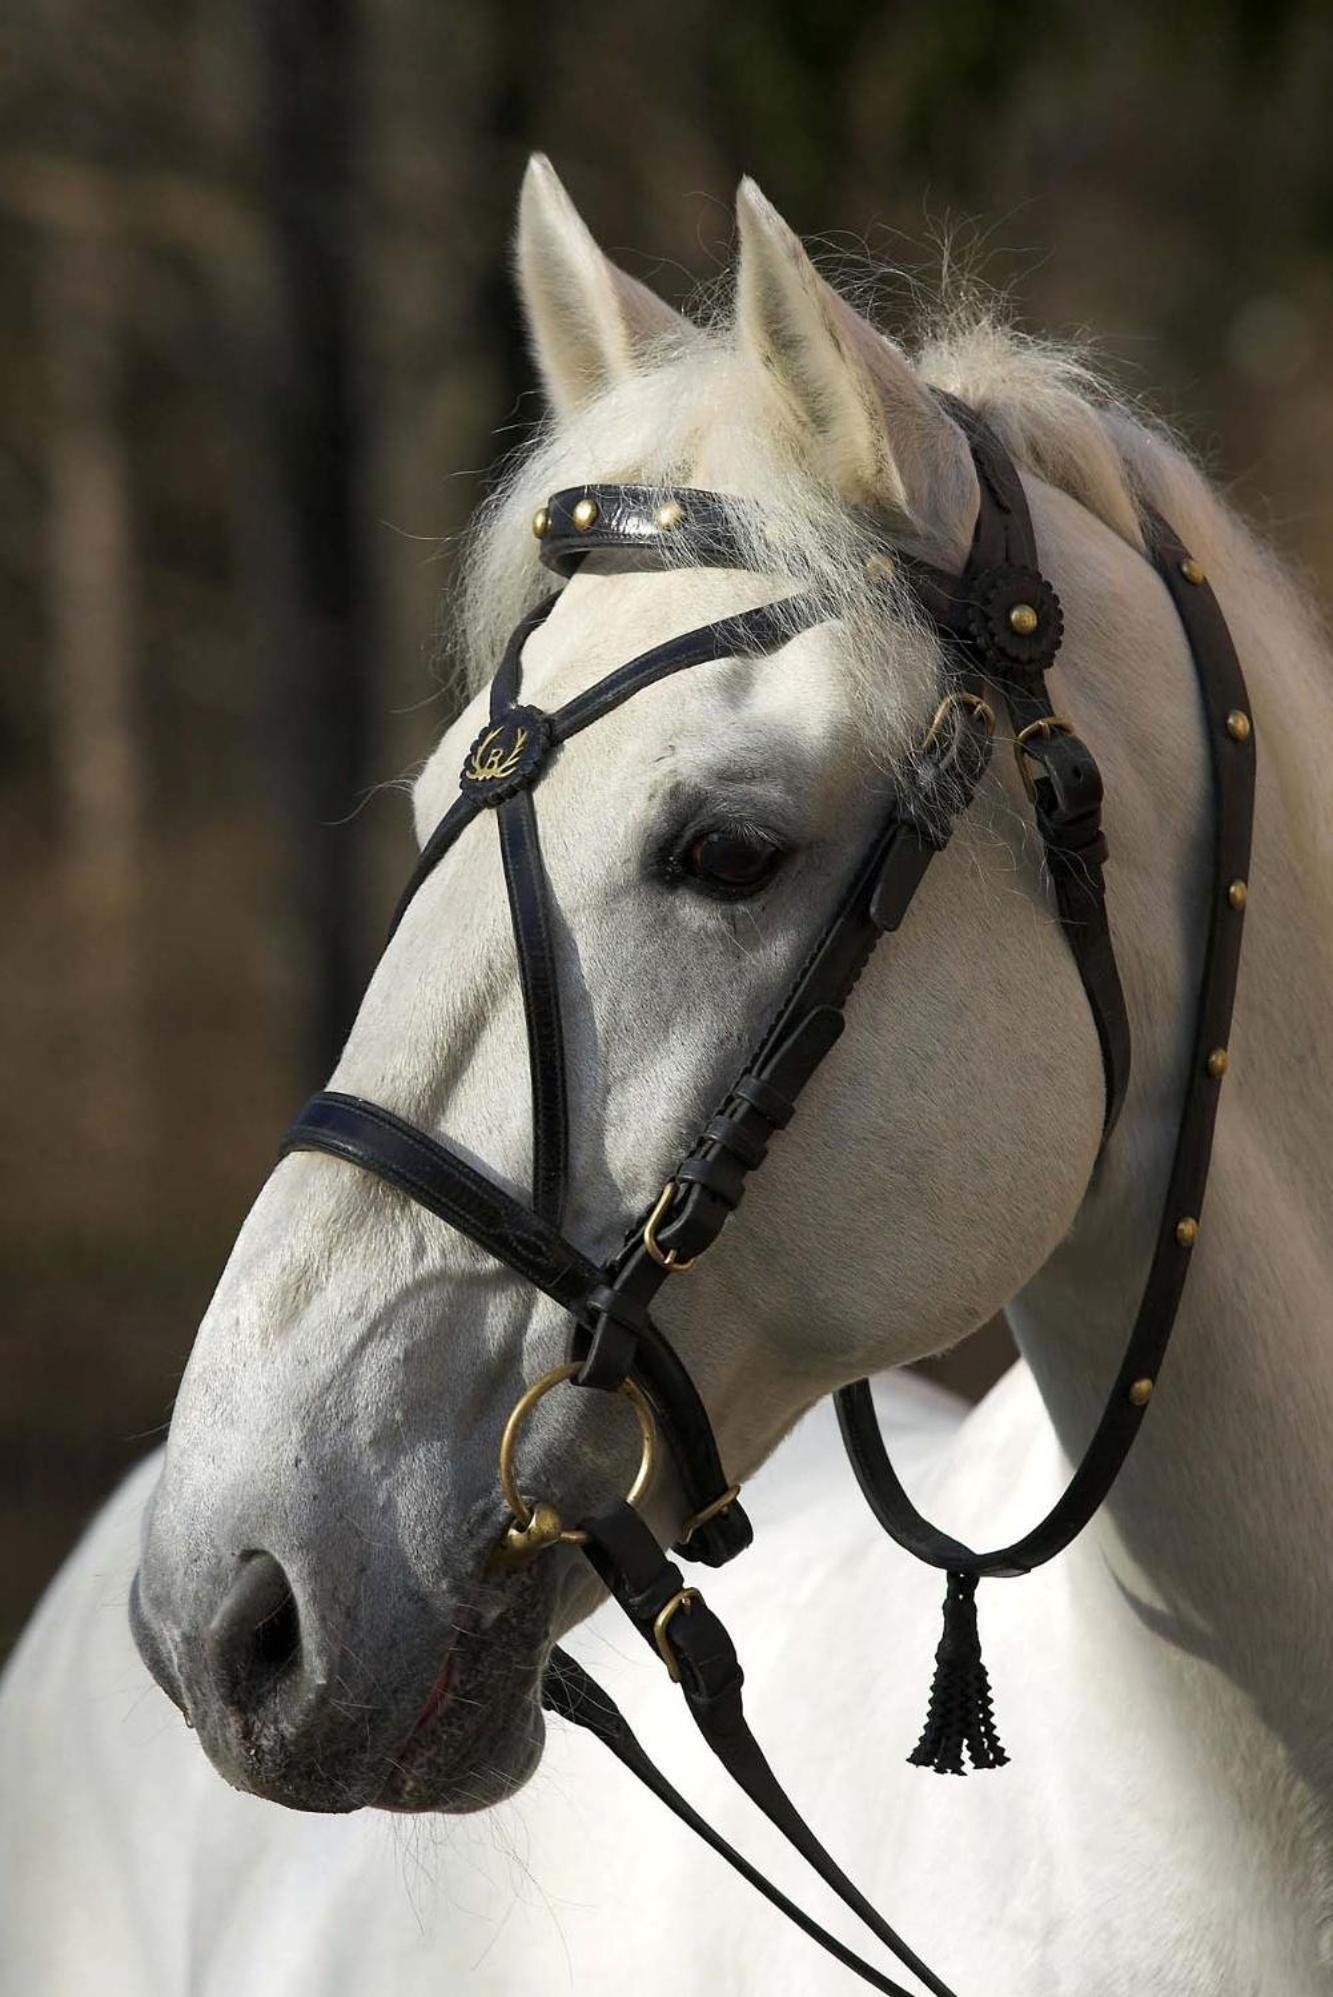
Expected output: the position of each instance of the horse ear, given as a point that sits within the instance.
(872, 427)
(590, 323)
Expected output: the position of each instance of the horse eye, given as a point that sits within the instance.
(730, 860)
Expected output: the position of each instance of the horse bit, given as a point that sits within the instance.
(1000, 625)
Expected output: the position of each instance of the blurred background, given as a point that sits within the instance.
(258, 349)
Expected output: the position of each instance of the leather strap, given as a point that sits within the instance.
(691, 529)
(1230, 737)
(809, 1021)
(684, 1631)
(530, 910)
(443, 1181)
(973, 612)
(1002, 577)
(748, 635)
(569, 1691)
(468, 803)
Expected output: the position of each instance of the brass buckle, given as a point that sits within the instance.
(692, 1525)
(665, 1258)
(539, 1525)
(980, 710)
(1045, 726)
(686, 1600)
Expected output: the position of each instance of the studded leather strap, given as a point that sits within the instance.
(689, 530)
(1230, 737)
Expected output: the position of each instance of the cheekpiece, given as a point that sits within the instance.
(1015, 619)
(507, 755)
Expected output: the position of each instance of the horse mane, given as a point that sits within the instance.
(701, 412)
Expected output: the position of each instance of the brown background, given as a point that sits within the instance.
(257, 349)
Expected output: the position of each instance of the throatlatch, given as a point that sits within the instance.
(1000, 627)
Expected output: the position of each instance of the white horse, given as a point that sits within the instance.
(1163, 1688)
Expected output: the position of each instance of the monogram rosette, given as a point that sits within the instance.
(507, 754)
(1015, 618)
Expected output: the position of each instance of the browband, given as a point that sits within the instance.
(686, 529)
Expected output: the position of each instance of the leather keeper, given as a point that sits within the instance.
(606, 1301)
(770, 1102)
(714, 1544)
(616, 1324)
(723, 1176)
(698, 1220)
(1070, 786)
(1080, 844)
(609, 1358)
(710, 1671)
(737, 1134)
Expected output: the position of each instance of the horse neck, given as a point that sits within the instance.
(1217, 1532)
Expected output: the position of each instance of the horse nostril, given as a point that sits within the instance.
(255, 1637)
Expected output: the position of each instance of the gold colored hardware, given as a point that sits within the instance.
(980, 710)
(1218, 1063)
(543, 1529)
(1141, 1393)
(541, 522)
(665, 1258)
(692, 1525)
(1193, 571)
(500, 762)
(1023, 619)
(670, 515)
(686, 1600)
(881, 568)
(1238, 894)
(539, 1525)
(585, 515)
(1044, 726)
(1187, 1231)
(1238, 725)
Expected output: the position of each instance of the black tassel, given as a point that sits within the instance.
(960, 1697)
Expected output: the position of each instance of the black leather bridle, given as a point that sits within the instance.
(1000, 626)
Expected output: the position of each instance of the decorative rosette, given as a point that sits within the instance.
(1005, 605)
(507, 754)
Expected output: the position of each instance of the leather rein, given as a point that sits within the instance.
(999, 622)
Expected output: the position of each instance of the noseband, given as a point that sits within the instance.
(999, 623)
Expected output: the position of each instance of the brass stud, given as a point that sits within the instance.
(1193, 571)
(1023, 619)
(1238, 894)
(541, 522)
(585, 514)
(670, 515)
(1238, 725)
(1187, 1231)
(1218, 1063)
(1141, 1393)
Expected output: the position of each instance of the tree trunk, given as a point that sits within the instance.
(98, 754)
(313, 400)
